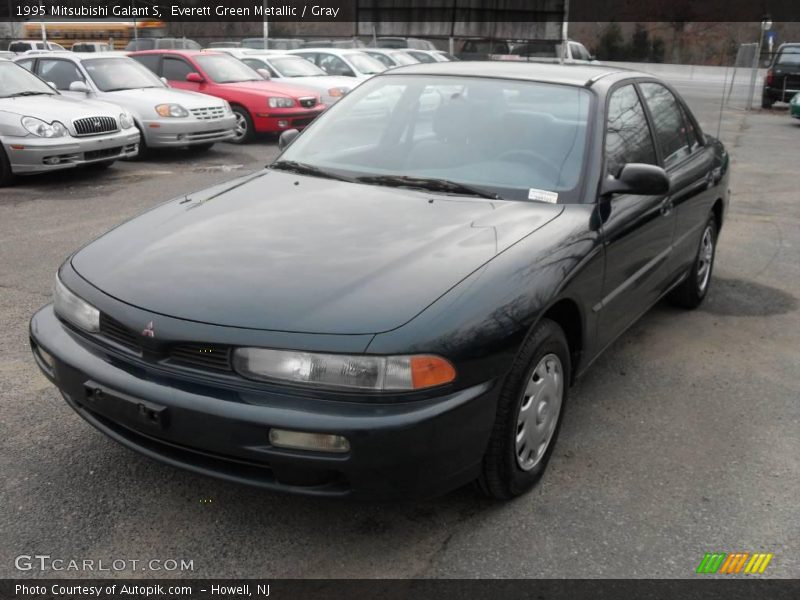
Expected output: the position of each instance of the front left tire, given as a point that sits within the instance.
(6, 175)
(529, 413)
(243, 131)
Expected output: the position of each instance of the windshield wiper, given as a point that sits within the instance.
(29, 93)
(306, 169)
(432, 184)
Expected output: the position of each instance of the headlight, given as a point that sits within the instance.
(376, 373)
(125, 121)
(78, 312)
(41, 129)
(279, 102)
(795, 99)
(338, 92)
(171, 110)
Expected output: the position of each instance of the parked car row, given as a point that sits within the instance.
(162, 98)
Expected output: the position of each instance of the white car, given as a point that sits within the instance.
(296, 70)
(342, 62)
(391, 57)
(166, 117)
(43, 130)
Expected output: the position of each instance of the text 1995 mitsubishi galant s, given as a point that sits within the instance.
(398, 304)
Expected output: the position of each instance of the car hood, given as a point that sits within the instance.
(61, 107)
(268, 88)
(151, 97)
(283, 252)
(321, 82)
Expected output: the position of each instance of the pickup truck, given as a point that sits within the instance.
(783, 76)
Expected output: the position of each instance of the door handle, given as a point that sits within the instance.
(666, 207)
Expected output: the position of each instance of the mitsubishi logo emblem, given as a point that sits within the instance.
(149, 331)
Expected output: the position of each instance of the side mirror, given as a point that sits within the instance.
(287, 137)
(639, 179)
(264, 73)
(79, 86)
(195, 78)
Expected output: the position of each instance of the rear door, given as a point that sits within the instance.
(637, 230)
(689, 164)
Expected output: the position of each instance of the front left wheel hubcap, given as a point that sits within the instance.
(539, 411)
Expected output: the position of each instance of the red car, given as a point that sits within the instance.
(259, 105)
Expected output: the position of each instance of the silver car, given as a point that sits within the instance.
(166, 117)
(43, 130)
(295, 70)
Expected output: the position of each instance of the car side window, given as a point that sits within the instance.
(26, 64)
(333, 65)
(256, 64)
(668, 122)
(628, 138)
(60, 72)
(310, 57)
(691, 133)
(148, 60)
(176, 69)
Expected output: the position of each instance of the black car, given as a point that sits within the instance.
(783, 76)
(398, 305)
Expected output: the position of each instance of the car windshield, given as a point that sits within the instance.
(365, 64)
(120, 73)
(223, 68)
(294, 66)
(515, 139)
(789, 56)
(401, 58)
(16, 81)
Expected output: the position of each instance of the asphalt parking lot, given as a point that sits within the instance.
(683, 439)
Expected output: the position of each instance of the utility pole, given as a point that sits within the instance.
(266, 24)
(564, 32)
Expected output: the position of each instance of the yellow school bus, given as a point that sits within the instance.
(118, 33)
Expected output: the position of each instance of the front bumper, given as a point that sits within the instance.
(161, 133)
(416, 449)
(28, 154)
(276, 120)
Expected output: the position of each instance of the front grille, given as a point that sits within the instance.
(208, 357)
(298, 123)
(201, 356)
(308, 102)
(117, 332)
(94, 125)
(108, 152)
(208, 113)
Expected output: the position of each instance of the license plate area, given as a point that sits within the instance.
(124, 409)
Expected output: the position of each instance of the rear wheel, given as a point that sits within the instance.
(529, 414)
(243, 131)
(6, 175)
(691, 293)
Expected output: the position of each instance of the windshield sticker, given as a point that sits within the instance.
(542, 195)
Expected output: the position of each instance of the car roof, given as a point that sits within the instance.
(180, 51)
(568, 74)
(77, 56)
(329, 50)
